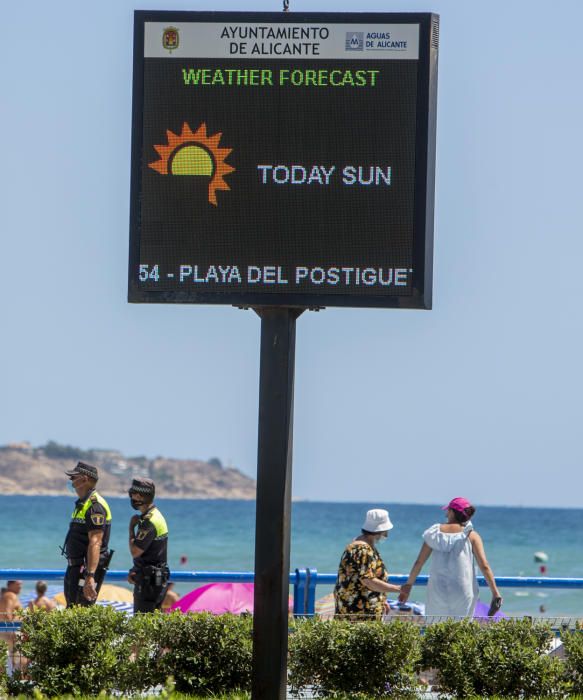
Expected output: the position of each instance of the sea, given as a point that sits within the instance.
(220, 535)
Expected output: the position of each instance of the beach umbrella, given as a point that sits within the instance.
(108, 592)
(325, 606)
(482, 611)
(59, 599)
(119, 594)
(541, 557)
(219, 598)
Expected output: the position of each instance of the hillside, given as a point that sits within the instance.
(29, 470)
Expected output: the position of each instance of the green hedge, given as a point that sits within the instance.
(3, 662)
(505, 658)
(573, 641)
(203, 653)
(78, 650)
(93, 650)
(88, 651)
(340, 658)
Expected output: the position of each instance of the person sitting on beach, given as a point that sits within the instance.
(10, 608)
(41, 601)
(363, 580)
(10, 602)
(170, 598)
(452, 590)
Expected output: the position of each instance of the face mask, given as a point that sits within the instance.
(382, 539)
(136, 505)
(71, 487)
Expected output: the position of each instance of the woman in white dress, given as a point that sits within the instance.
(452, 590)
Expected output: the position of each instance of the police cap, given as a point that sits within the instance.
(85, 470)
(145, 487)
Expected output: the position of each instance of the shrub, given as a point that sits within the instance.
(91, 650)
(504, 658)
(345, 659)
(141, 670)
(204, 653)
(451, 647)
(573, 641)
(88, 651)
(76, 651)
(3, 664)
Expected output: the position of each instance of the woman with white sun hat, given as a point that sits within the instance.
(362, 583)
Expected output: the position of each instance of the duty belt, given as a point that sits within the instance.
(155, 574)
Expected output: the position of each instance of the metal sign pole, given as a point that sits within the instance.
(273, 514)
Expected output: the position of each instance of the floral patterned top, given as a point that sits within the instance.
(359, 560)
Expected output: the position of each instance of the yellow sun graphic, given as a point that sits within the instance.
(195, 153)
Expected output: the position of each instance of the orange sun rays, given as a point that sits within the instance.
(199, 137)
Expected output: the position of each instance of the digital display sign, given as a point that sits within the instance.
(283, 159)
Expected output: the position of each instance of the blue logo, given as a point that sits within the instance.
(354, 41)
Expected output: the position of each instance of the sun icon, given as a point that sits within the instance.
(195, 153)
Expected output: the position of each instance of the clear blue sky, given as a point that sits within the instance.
(479, 397)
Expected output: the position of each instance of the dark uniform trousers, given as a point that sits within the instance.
(150, 588)
(73, 584)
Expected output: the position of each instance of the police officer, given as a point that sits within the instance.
(86, 544)
(148, 547)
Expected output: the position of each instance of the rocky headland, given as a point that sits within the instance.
(29, 470)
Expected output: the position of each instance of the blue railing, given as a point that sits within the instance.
(314, 578)
(304, 581)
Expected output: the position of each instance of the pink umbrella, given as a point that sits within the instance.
(218, 598)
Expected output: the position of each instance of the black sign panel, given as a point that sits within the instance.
(283, 159)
